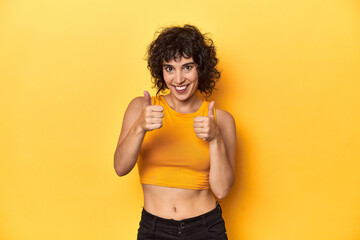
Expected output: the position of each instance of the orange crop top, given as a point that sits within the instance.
(173, 156)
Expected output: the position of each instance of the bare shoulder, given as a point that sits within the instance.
(137, 102)
(134, 109)
(224, 118)
(132, 113)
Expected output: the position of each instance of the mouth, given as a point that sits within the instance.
(181, 88)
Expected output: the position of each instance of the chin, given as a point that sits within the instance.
(184, 97)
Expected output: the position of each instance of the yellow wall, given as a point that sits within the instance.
(291, 72)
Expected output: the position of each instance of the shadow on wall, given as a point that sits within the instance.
(232, 205)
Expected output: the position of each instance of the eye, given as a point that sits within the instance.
(188, 67)
(168, 69)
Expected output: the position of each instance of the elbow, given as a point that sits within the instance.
(118, 166)
(221, 195)
(120, 170)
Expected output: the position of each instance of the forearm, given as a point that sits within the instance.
(221, 176)
(127, 151)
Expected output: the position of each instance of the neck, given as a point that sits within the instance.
(187, 106)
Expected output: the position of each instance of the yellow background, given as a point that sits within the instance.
(291, 72)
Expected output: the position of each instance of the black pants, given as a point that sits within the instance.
(208, 226)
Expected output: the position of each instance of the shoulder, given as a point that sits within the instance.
(225, 121)
(223, 116)
(134, 108)
(137, 102)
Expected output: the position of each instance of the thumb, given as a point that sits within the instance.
(211, 109)
(147, 98)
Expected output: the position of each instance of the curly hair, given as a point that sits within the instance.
(187, 41)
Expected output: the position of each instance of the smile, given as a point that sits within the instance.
(180, 88)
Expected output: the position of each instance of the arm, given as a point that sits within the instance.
(140, 117)
(222, 146)
(222, 155)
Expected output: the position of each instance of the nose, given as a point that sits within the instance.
(179, 78)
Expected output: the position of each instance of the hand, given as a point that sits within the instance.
(152, 115)
(205, 127)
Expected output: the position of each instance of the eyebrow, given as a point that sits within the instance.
(166, 64)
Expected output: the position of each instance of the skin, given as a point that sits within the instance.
(141, 116)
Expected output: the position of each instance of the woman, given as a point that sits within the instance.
(184, 147)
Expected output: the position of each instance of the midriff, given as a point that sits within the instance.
(177, 203)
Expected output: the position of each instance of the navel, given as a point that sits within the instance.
(174, 208)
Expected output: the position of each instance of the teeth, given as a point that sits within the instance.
(180, 88)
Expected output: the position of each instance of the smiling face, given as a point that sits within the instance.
(181, 77)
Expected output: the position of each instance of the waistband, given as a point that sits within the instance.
(201, 217)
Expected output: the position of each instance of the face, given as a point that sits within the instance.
(181, 77)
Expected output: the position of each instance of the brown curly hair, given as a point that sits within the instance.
(187, 41)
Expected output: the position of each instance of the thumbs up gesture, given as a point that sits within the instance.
(205, 126)
(151, 115)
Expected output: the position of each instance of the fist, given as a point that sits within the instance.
(152, 115)
(205, 126)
